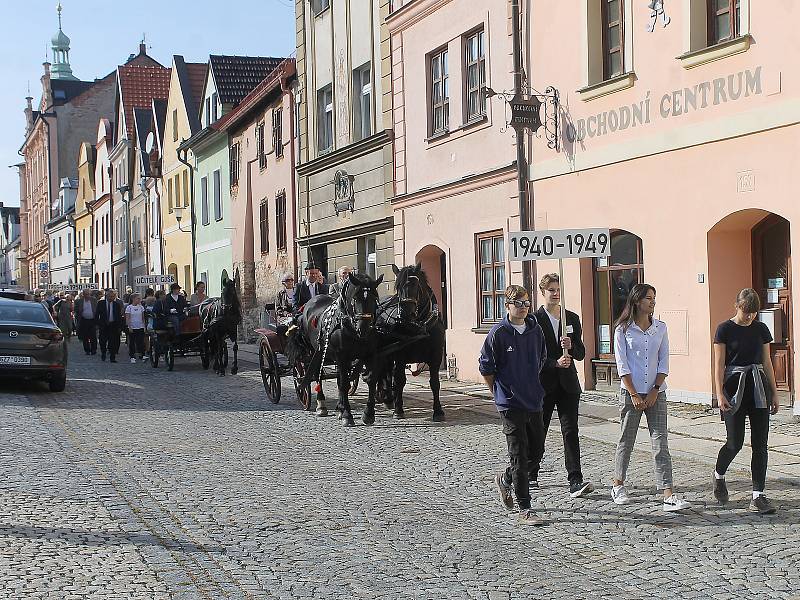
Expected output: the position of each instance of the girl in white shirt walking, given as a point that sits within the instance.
(134, 319)
(641, 347)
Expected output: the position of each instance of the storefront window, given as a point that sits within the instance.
(614, 278)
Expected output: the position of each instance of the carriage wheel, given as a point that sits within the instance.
(270, 373)
(205, 359)
(154, 356)
(170, 357)
(303, 392)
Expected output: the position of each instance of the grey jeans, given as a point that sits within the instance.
(629, 426)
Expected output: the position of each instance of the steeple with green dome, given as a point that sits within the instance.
(60, 44)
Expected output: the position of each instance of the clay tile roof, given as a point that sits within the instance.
(139, 86)
(197, 80)
(237, 76)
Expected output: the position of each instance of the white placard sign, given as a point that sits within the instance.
(561, 243)
(70, 287)
(140, 280)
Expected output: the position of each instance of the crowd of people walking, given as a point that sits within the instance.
(528, 362)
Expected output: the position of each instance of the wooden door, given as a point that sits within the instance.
(772, 278)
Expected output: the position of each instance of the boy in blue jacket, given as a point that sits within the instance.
(511, 360)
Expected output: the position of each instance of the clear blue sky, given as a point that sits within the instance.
(104, 33)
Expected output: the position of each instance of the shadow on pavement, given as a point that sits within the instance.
(83, 537)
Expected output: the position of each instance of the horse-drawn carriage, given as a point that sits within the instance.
(275, 363)
(188, 341)
(203, 331)
(338, 339)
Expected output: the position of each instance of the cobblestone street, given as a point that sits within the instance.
(137, 483)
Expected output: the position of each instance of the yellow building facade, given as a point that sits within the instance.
(181, 122)
(84, 242)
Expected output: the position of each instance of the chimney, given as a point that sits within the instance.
(142, 49)
(28, 114)
(47, 92)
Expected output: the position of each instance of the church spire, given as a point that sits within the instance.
(60, 44)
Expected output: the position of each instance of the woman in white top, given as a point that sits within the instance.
(641, 347)
(134, 319)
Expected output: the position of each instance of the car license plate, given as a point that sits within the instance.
(15, 360)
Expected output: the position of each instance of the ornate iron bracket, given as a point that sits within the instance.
(526, 112)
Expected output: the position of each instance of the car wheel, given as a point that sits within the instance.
(58, 382)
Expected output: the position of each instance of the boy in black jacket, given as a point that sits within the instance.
(511, 359)
(560, 379)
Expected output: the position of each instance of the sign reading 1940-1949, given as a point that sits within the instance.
(562, 243)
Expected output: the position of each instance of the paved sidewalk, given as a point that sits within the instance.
(696, 431)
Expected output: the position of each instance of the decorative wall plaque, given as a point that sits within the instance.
(344, 192)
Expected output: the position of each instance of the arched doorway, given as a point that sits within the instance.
(751, 248)
(434, 263)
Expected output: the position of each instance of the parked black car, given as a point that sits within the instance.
(31, 345)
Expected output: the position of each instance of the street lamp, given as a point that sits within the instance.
(178, 217)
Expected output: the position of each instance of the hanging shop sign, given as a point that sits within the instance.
(526, 113)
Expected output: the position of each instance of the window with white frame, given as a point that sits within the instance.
(613, 63)
(204, 201)
(214, 108)
(325, 119)
(723, 20)
(439, 92)
(362, 102)
(320, 6)
(475, 81)
(277, 132)
(217, 196)
(260, 146)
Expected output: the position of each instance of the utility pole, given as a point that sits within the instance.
(522, 162)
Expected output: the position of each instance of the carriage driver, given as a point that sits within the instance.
(175, 306)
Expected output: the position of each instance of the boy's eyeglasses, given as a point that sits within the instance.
(521, 303)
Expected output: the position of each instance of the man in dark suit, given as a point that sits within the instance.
(85, 312)
(111, 319)
(312, 285)
(174, 305)
(560, 379)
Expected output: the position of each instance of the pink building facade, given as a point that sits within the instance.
(456, 190)
(262, 150)
(684, 145)
(677, 131)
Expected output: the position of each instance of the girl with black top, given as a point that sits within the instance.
(745, 384)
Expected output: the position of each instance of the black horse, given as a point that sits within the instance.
(413, 333)
(221, 318)
(340, 332)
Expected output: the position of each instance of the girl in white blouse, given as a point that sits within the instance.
(641, 348)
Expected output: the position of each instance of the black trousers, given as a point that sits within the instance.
(567, 406)
(88, 334)
(525, 437)
(110, 339)
(135, 342)
(759, 436)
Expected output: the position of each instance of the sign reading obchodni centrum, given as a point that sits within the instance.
(671, 104)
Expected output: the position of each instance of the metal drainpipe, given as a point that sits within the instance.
(191, 208)
(295, 251)
(522, 163)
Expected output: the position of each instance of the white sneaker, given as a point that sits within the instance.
(133, 361)
(620, 495)
(675, 503)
